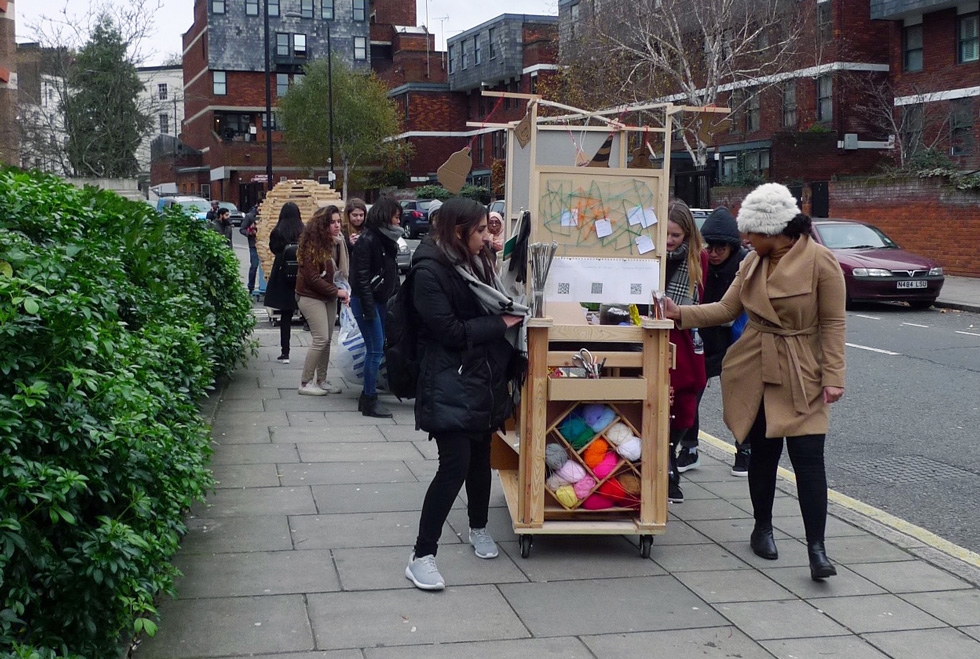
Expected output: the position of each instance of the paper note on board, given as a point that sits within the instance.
(649, 218)
(569, 218)
(634, 216)
(603, 228)
(644, 244)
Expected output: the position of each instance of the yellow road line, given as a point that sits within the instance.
(927, 537)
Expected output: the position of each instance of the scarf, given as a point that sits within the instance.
(679, 277)
(341, 258)
(391, 231)
(495, 302)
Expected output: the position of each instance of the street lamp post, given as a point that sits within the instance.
(268, 106)
(332, 177)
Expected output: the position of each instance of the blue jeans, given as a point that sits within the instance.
(373, 332)
(253, 266)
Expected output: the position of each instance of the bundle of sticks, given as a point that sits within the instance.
(542, 254)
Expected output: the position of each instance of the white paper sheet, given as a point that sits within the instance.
(603, 228)
(569, 218)
(634, 216)
(649, 218)
(644, 244)
(604, 280)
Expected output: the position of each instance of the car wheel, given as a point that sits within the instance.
(922, 304)
(413, 234)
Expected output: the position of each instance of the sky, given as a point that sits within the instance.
(176, 16)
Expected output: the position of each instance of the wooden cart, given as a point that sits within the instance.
(566, 204)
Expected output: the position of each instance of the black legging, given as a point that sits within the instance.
(285, 327)
(806, 454)
(462, 457)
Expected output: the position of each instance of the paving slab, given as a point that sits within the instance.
(328, 434)
(254, 475)
(412, 617)
(729, 530)
(228, 626)
(797, 580)
(972, 631)
(305, 419)
(359, 530)
(327, 473)
(835, 647)
(424, 470)
(239, 454)
(372, 497)
(709, 471)
(711, 643)
(865, 548)
(239, 435)
(539, 648)
(248, 391)
(499, 525)
(234, 420)
(291, 401)
(560, 558)
(780, 619)
(910, 577)
(383, 568)
(875, 613)
(792, 552)
(334, 418)
(428, 450)
(695, 558)
(733, 586)
(243, 404)
(714, 508)
(793, 526)
(256, 573)
(358, 452)
(404, 433)
(693, 492)
(209, 535)
(681, 533)
(785, 506)
(954, 607)
(947, 643)
(327, 654)
(251, 501)
(608, 606)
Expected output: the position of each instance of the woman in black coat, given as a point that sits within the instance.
(467, 360)
(374, 279)
(280, 291)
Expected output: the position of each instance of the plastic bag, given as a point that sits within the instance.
(350, 345)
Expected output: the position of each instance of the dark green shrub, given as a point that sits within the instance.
(113, 324)
(432, 191)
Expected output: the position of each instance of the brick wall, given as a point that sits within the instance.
(395, 12)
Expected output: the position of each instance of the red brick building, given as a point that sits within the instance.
(9, 133)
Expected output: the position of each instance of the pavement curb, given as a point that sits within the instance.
(958, 306)
(922, 543)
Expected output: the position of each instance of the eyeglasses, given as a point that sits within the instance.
(716, 247)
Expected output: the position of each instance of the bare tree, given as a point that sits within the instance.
(913, 128)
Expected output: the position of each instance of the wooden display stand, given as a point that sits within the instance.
(565, 203)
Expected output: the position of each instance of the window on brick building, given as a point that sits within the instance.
(913, 123)
(573, 16)
(217, 6)
(299, 45)
(282, 44)
(326, 10)
(162, 91)
(272, 123)
(480, 153)
(498, 145)
(753, 113)
(912, 48)
(164, 123)
(492, 46)
(534, 84)
(789, 103)
(756, 162)
(273, 7)
(452, 59)
(251, 7)
(825, 26)
(968, 41)
(961, 127)
(360, 48)
(825, 98)
(219, 83)
(282, 84)
(233, 126)
(306, 8)
(735, 102)
(477, 52)
(360, 11)
(462, 55)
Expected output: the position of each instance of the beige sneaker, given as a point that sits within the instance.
(329, 387)
(311, 389)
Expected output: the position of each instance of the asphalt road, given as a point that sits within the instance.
(905, 436)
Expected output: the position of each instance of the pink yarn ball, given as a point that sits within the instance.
(606, 467)
(572, 472)
(584, 486)
(597, 502)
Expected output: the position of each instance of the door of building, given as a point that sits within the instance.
(249, 194)
(819, 199)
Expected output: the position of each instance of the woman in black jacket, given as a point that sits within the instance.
(469, 330)
(280, 291)
(374, 279)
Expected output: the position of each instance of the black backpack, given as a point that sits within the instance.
(290, 262)
(401, 341)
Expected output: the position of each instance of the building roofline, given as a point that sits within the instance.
(523, 18)
(419, 87)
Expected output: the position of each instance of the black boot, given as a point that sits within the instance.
(763, 544)
(361, 401)
(373, 408)
(820, 565)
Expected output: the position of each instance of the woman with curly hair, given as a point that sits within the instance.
(322, 253)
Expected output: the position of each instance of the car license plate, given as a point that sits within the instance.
(913, 284)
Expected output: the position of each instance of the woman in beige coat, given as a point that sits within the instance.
(779, 379)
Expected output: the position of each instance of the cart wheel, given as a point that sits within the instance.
(646, 541)
(526, 542)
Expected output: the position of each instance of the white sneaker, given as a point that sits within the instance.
(424, 573)
(311, 389)
(483, 544)
(329, 387)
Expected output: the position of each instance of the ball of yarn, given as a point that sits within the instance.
(576, 431)
(631, 484)
(607, 417)
(554, 482)
(631, 449)
(595, 452)
(618, 434)
(584, 487)
(613, 489)
(555, 456)
(597, 502)
(566, 496)
(609, 462)
(572, 471)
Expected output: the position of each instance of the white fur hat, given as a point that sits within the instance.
(767, 210)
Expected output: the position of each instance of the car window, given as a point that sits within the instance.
(232, 208)
(195, 206)
(853, 236)
(406, 203)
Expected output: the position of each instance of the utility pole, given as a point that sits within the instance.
(268, 106)
(176, 141)
(332, 176)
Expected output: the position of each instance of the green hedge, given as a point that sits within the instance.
(114, 322)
